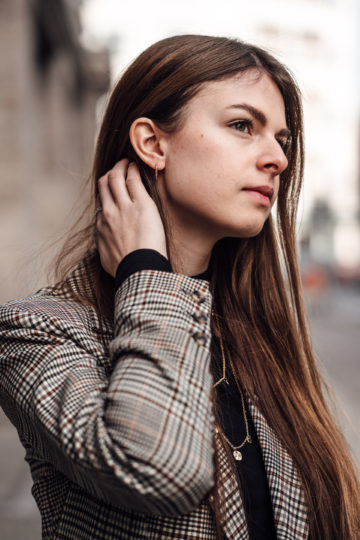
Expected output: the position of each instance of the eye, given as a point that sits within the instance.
(244, 126)
(284, 144)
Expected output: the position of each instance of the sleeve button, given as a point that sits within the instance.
(200, 318)
(199, 338)
(198, 297)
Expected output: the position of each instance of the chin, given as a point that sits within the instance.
(251, 230)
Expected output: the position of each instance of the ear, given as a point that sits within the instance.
(148, 142)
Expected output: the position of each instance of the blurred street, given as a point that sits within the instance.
(19, 517)
(335, 323)
(335, 319)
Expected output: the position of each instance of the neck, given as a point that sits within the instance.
(189, 256)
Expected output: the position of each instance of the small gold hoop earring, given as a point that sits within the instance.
(156, 173)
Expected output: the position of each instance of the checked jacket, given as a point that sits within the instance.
(118, 432)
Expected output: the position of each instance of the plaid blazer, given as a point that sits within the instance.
(120, 444)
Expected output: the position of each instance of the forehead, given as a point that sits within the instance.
(251, 87)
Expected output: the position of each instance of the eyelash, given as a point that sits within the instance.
(284, 144)
(243, 123)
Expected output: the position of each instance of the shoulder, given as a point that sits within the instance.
(49, 315)
(63, 307)
(45, 303)
(43, 338)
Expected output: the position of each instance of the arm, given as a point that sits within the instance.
(143, 438)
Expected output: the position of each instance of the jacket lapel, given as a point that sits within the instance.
(233, 516)
(285, 489)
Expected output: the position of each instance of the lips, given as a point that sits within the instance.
(266, 191)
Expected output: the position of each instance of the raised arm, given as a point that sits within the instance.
(141, 438)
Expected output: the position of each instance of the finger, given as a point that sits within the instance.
(134, 184)
(121, 166)
(106, 198)
(116, 179)
(98, 214)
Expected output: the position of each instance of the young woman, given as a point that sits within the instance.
(166, 386)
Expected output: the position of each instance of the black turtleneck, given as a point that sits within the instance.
(251, 470)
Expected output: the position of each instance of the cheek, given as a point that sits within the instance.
(191, 163)
(193, 150)
(199, 156)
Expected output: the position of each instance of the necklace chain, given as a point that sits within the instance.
(223, 378)
(235, 449)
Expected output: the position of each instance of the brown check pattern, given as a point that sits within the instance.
(120, 445)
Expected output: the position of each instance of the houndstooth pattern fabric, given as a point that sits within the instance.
(285, 489)
(120, 445)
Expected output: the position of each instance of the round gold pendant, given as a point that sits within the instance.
(237, 455)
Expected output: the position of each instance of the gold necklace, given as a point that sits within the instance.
(223, 378)
(235, 449)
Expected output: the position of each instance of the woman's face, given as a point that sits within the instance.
(222, 166)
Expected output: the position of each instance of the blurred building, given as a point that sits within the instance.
(320, 38)
(49, 88)
(319, 41)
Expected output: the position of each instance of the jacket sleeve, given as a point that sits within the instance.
(142, 438)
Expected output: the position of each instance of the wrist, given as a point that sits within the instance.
(138, 260)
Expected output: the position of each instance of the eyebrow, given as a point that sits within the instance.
(259, 116)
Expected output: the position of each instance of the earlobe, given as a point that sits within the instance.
(148, 142)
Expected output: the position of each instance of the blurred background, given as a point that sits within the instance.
(58, 61)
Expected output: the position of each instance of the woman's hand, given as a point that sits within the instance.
(129, 219)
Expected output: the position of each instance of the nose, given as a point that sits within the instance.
(272, 158)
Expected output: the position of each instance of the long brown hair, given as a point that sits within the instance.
(255, 281)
